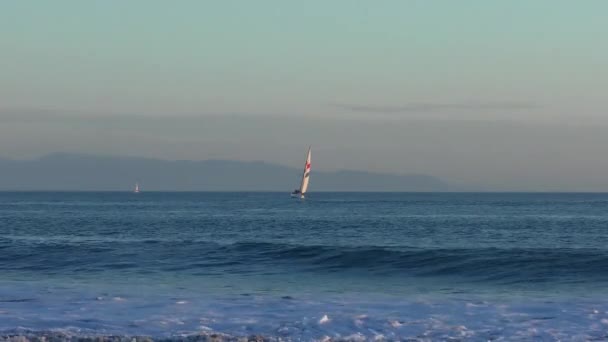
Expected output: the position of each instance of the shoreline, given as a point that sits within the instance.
(46, 336)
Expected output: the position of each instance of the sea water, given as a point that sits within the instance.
(353, 266)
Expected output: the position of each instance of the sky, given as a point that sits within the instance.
(506, 95)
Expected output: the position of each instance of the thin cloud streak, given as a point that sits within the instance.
(432, 107)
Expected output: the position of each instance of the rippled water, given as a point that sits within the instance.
(363, 265)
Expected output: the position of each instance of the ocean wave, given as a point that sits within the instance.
(507, 265)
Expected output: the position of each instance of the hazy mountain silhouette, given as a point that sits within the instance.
(84, 172)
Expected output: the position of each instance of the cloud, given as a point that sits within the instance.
(34, 115)
(435, 107)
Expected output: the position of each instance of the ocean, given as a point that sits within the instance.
(335, 266)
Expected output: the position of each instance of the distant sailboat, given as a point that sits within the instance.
(305, 178)
(136, 188)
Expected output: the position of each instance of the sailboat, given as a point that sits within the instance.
(305, 178)
(136, 188)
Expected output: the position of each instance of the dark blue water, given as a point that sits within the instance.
(395, 265)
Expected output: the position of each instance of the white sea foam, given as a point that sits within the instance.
(395, 324)
(307, 318)
(324, 320)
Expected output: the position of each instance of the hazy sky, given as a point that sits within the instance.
(504, 94)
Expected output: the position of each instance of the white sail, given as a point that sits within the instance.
(306, 175)
(136, 188)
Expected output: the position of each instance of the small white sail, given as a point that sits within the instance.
(136, 188)
(305, 179)
(306, 175)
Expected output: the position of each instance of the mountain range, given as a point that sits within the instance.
(75, 172)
